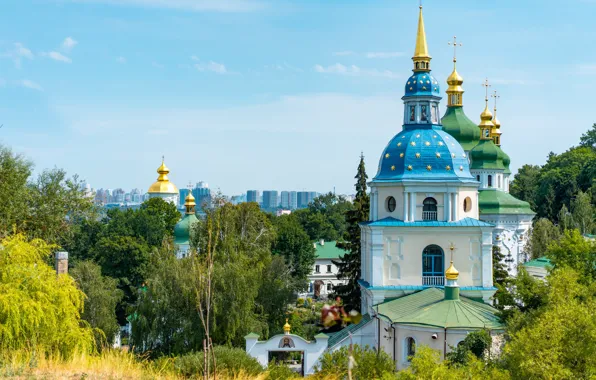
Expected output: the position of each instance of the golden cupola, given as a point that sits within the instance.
(163, 184)
(421, 57)
(486, 118)
(496, 131)
(287, 327)
(189, 203)
(455, 90)
(451, 273)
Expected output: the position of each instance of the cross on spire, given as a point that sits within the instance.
(163, 158)
(486, 86)
(455, 44)
(452, 248)
(495, 96)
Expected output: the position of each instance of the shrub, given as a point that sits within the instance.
(477, 343)
(369, 364)
(230, 362)
(300, 302)
(278, 371)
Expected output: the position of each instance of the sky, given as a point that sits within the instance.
(275, 94)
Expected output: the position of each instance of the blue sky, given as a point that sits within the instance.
(277, 94)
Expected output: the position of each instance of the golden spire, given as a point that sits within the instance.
(451, 273)
(189, 201)
(287, 327)
(454, 91)
(486, 124)
(496, 131)
(421, 57)
(163, 184)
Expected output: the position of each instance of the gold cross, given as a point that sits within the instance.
(163, 158)
(455, 45)
(486, 86)
(452, 248)
(494, 95)
(190, 185)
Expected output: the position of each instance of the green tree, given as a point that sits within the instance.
(583, 212)
(14, 194)
(325, 217)
(156, 219)
(294, 245)
(520, 296)
(370, 364)
(588, 139)
(39, 311)
(477, 343)
(575, 252)
(565, 219)
(102, 296)
(542, 234)
(525, 184)
(349, 268)
(500, 274)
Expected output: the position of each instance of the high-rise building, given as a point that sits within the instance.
(270, 198)
(183, 194)
(202, 194)
(252, 196)
(305, 197)
(289, 200)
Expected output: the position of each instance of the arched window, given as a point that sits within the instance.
(429, 209)
(432, 266)
(329, 287)
(410, 348)
(478, 178)
(490, 180)
(391, 204)
(499, 181)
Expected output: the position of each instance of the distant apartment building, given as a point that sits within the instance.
(270, 200)
(183, 194)
(202, 195)
(305, 197)
(252, 196)
(289, 200)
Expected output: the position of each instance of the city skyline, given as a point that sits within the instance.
(95, 80)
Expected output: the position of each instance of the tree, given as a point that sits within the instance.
(525, 184)
(370, 364)
(101, 297)
(588, 139)
(520, 296)
(500, 273)
(565, 219)
(325, 217)
(14, 171)
(573, 251)
(294, 245)
(542, 234)
(39, 311)
(156, 220)
(349, 268)
(477, 343)
(583, 212)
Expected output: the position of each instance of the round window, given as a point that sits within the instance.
(391, 204)
(467, 204)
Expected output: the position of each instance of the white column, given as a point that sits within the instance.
(447, 207)
(374, 210)
(377, 257)
(405, 216)
(412, 206)
(487, 258)
(455, 207)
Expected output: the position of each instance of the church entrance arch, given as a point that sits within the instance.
(433, 266)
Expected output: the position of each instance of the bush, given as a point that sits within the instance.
(278, 371)
(230, 362)
(300, 302)
(477, 343)
(369, 364)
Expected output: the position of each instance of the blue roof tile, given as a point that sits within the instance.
(392, 222)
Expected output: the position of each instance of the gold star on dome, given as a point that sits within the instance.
(438, 155)
(423, 77)
(461, 168)
(427, 82)
(392, 167)
(387, 155)
(410, 88)
(412, 77)
(434, 136)
(403, 137)
(428, 167)
(426, 143)
(447, 167)
(399, 144)
(464, 155)
(440, 143)
(418, 136)
(401, 155)
(446, 138)
(417, 155)
(413, 143)
(452, 155)
(436, 89)
(410, 167)
(424, 87)
(408, 82)
(414, 82)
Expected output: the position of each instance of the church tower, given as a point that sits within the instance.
(163, 188)
(423, 200)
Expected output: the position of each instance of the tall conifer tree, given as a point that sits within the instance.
(349, 266)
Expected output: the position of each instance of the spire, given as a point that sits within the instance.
(421, 57)
(486, 124)
(189, 203)
(496, 131)
(454, 91)
(451, 274)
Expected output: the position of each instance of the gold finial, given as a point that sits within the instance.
(189, 203)
(454, 91)
(486, 124)
(496, 130)
(163, 184)
(421, 57)
(287, 327)
(451, 273)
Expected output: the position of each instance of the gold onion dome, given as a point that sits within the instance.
(189, 203)
(486, 118)
(451, 273)
(163, 184)
(287, 327)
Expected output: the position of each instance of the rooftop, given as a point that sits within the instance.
(392, 222)
(541, 262)
(328, 250)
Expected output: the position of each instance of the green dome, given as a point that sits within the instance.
(500, 202)
(456, 123)
(486, 155)
(182, 229)
(506, 161)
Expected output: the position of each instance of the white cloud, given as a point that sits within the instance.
(212, 66)
(121, 60)
(17, 53)
(354, 70)
(343, 53)
(69, 43)
(30, 84)
(57, 57)
(384, 54)
(284, 67)
(187, 5)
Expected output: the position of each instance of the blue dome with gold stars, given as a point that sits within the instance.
(422, 84)
(425, 154)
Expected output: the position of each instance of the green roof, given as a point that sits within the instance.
(335, 338)
(541, 262)
(430, 308)
(457, 124)
(486, 155)
(499, 202)
(182, 229)
(328, 250)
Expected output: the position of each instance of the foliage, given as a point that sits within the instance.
(575, 252)
(559, 340)
(349, 268)
(295, 246)
(588, 139)
(583, 212)
(520, 296)
(427, 364)
(101, 298)
(325, 217)
(230, 362)
(370, 364)
(156, 219)
(38, 310)
(500, 273)
(525, 184)
(14, 171)
(477, 343)
(543, 233)
(565, 219)
(277, 371)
